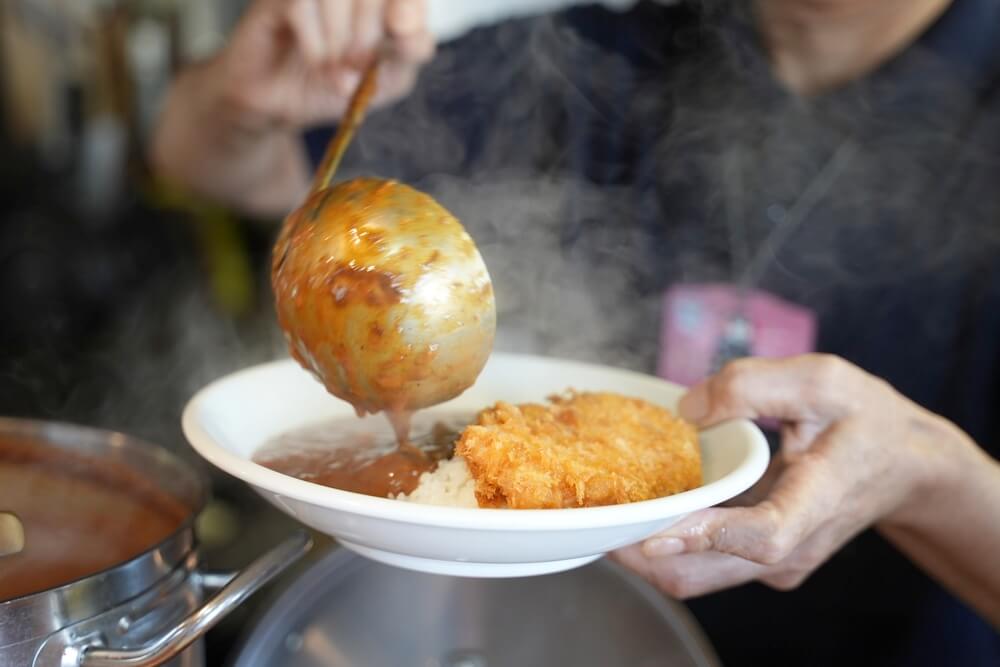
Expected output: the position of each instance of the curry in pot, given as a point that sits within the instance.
(81, 515)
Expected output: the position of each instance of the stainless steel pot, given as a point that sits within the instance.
(349, 612)
(150, 610)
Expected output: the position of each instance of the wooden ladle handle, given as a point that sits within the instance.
(349, 123)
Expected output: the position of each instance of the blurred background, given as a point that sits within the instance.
(120, 297)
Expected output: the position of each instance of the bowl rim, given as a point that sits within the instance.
(745, 475)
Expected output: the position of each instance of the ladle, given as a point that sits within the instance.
(380, 291)
(11, 534)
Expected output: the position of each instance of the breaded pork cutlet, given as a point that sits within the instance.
(580, 450)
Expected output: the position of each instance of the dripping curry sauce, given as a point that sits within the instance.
(342, 268)
(81, 514)
(340, 286)
(325, 278)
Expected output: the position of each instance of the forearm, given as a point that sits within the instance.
(216, 149)
(953, 530)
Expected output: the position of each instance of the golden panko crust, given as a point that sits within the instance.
(581, 450)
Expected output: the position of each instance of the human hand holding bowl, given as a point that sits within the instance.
(855, 453)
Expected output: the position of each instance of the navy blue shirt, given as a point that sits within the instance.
(599, 158)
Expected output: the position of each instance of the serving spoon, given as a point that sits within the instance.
(11, 534)
(380, 291)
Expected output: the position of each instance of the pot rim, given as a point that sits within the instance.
(43, 612)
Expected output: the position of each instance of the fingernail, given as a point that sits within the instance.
(694, 405)
(663, 546)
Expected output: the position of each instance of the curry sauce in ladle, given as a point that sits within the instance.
(380, 291)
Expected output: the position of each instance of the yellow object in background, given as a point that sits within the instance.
(224, 251)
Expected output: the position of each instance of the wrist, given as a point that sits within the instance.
(214, 146)
(940, 454)
(204, 116)
(222, 103)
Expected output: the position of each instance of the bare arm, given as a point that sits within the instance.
(231, 127)
(953, 532)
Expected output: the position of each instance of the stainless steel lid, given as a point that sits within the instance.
(346, 611)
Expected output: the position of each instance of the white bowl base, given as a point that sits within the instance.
(468, 569)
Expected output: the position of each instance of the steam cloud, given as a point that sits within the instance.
(577, 273)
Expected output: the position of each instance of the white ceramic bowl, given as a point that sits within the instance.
(228, 420)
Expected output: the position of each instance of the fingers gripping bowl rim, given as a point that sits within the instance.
(229, 419)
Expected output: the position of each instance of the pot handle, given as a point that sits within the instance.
(231, 595)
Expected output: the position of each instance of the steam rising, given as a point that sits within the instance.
(708, 172)
(702, 168)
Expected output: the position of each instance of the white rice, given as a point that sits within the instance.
(451, 484)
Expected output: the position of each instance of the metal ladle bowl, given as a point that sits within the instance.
(380, 291)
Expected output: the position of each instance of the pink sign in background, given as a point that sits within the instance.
(695, 319)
